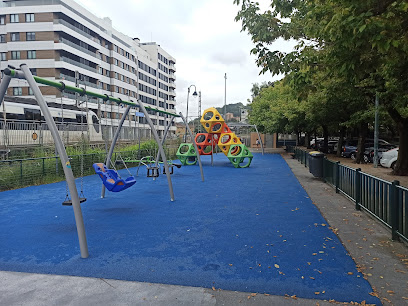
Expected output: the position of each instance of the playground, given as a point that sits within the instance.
(251, 230)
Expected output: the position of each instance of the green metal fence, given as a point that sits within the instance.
(19, 173)
(385, 201)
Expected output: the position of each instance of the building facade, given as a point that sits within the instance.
(57, 38)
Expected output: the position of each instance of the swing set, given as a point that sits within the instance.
(25, 73)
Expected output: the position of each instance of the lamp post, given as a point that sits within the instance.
(188, 94)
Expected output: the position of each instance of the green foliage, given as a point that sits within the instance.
(232, 108)
(347, 52)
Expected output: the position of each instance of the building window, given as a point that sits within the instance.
(17, 91)
(33, 71)
(31, 54)
(3, 56)
(15, 36)
(15, 55)
(2, 19)
(30, 36)
(30, 91)
(14, 18)
(2, 38)
(29, 17)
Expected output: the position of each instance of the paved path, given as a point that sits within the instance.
(382, 261)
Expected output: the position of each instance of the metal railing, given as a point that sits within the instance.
(385, 201)
(75, 63)
(78, 47)
(18, 173)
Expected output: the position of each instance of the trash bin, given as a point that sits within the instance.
(316, 163)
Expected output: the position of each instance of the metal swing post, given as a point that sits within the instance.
(112, 147)
(66, 165)
(195, 145)
(164, 139)
(161, 151)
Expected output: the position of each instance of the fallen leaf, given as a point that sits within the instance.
(317, 292)
(350, 273)
(253, 294)
(294, 297)
(213, 288)
(276, 266)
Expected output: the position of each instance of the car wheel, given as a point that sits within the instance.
(353, 156)
(393, 165)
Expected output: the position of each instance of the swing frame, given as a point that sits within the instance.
(25, 73)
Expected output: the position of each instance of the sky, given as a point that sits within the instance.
(203, 38)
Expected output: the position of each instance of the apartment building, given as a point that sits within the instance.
(57, 38)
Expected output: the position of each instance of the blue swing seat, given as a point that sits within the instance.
(111, 179)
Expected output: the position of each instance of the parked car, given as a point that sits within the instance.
(389, 158)
(331, 144)
(314, 140)
(350, 147)
(369, 152)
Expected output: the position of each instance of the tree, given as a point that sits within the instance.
(362, 43)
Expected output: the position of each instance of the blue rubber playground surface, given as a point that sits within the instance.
(251, 230)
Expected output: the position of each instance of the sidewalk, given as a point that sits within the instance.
(383, 262)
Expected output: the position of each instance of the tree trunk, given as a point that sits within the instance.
(341, 140)
(326, 138)
(361, 142)
(298, 138)
(307, 140)
(401, 167)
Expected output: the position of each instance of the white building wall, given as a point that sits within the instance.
(103, 28)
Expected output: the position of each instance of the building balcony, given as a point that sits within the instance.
(73, 45)
(81, 83)
(72, 27)
(78, 64)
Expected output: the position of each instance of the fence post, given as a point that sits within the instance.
(337, 176)
(305, 155)
(21, 172)
(43, 166)
(357, 188)
(394, 205)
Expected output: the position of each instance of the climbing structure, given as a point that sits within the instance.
(218, 133)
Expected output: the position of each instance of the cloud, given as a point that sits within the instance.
(203, 38)
(237, 58)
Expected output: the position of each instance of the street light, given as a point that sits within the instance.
(188, 94)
